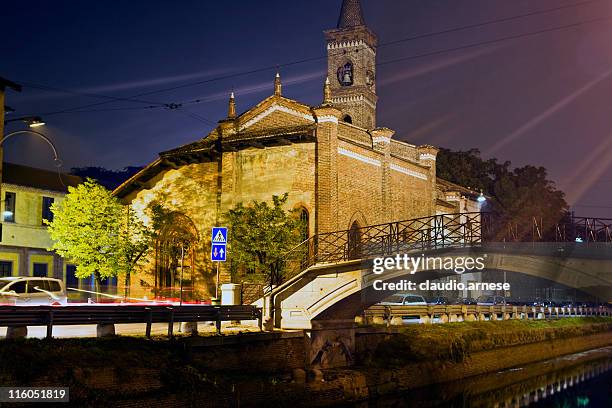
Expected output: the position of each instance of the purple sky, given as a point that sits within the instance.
(544, 99)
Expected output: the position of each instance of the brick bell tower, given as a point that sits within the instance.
(351, 66)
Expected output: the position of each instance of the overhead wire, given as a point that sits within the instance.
(133, 98)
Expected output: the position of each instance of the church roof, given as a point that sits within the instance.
(351, 15)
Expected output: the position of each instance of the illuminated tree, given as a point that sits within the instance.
(261, 235)
(518, 196)
(102, 237)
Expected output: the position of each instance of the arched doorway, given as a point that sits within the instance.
(175, 253)
(354, 241)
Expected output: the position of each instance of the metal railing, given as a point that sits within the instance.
(23, 316)
(440, 231)
(436, 232)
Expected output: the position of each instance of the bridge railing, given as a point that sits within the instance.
(439, 231)
(393, 314)
(23, 316)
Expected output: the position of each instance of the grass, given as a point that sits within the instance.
(456, 341)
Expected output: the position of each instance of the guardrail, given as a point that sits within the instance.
(23, 316)
(393, 314)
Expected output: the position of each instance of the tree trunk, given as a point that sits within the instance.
(126, 291)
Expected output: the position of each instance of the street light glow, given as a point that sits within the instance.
(36, 122)
(481, 198)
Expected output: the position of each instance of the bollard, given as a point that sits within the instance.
(16, 332)
(378, 320)
(190, 328)
(105, 330)
(397, 321)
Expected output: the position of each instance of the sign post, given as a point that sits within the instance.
(218, 250)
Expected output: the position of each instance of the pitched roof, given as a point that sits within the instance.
(351, 15)
(38, 178)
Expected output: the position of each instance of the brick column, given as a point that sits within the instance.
(381, 138)
(427, 157)
(326, 172)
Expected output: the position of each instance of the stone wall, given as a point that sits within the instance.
(204, 194)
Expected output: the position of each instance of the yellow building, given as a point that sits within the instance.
(27, 197)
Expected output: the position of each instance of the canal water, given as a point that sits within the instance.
(573, 381)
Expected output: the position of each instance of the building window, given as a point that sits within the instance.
(6, 268)
(41, 270)
(46, 209)
(354, 241)
(305, 220)
(9, 207)
(348, 119)
(71, 280)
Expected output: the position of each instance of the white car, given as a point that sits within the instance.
(406, 299)
(32, 291)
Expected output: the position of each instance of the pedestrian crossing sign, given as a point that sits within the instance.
(219, 235)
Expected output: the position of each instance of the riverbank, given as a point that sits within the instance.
(269, 368)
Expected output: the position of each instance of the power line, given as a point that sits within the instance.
(88, 94)
(485, 23)
(305, 60)
(497, 40)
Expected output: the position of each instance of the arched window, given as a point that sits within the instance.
(305, 219)
(348, 119)
(354, 241)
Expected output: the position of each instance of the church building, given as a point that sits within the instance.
(340, 168)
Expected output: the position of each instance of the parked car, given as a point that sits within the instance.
(32, 291)
(491, 300)
(466, 301)
(439, 300)
(406, 299)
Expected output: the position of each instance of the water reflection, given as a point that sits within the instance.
(578, 380)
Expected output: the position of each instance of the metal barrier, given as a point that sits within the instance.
(23, 316)
(453, 313)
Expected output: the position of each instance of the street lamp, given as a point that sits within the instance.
(481, 198)
(31, 121)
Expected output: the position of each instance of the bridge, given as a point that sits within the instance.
(330, 278)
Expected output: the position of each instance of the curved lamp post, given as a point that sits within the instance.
(56, 159)
(43, 137)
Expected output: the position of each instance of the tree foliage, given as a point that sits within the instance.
(96, 232)
(261, 234)
(518, 195)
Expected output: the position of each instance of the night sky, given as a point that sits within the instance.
(544, 99)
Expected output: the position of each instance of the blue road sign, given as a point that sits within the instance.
(219, 235)
(218, 252)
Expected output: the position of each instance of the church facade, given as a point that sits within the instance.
(339, 169)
